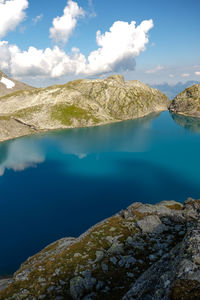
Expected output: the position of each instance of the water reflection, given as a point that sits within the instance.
(129, 136)
(19, 155)
(189, 123)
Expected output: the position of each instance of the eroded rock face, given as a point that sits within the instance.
(187, 102)
(81, 103)
(144, 252)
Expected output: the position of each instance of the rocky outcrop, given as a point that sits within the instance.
(79, 103)
(8, 85)
(144, 252)
(187, 102)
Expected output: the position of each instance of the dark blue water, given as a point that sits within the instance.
(59, 184)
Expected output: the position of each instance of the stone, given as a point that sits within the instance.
(131, 275)
(77, 287)
(41, 280)
(99, 285)
(42, 297)
(77, 255)
(104, 267)
(116, 248)
(99, 255)
(113, 260)
(150, 224)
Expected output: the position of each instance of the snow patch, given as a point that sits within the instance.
(8, 83)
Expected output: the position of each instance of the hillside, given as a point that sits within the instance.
(187, 102)
(78, 103)
(144, 252)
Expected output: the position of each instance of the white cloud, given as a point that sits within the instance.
(63, 26)
(155, 70)
(35, 62)
(37, 18)
(12, 12)
(185, 75)
(197, 73)
(171, 75)
(117, 49)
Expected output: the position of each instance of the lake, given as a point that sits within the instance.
(58, 184)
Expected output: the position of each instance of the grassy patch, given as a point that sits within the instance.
(27, 111)
(4, 118)
(67, 113)
(21, 93)
(175, 206)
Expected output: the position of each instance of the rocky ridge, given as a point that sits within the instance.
(187, 102)
(78, 103)
(146, 252)
(6, 89)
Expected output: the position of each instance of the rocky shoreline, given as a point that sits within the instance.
(146, 252)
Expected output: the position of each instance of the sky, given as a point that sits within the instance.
(51, 42)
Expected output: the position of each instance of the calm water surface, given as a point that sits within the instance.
(61, 183)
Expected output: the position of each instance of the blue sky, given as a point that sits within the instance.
(166, 49)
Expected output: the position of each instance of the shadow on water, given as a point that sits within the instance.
(189, 123)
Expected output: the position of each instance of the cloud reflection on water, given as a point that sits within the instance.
(129, 136)
(19, 155)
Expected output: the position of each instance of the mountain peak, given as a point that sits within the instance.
(9, 85)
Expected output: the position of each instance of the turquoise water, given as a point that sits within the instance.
(59, 184)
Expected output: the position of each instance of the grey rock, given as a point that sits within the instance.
(77, 287)
(104, 267)
(41, 280)
(50, 289)
(42, 297)
(77, 255)
(91, 296)
(151, 224)
(116, 248)
(99, 255)
(131, 275)
(113, 260)
(99, 285)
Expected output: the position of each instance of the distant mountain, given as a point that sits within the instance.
(8, 85)
(172, 90)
